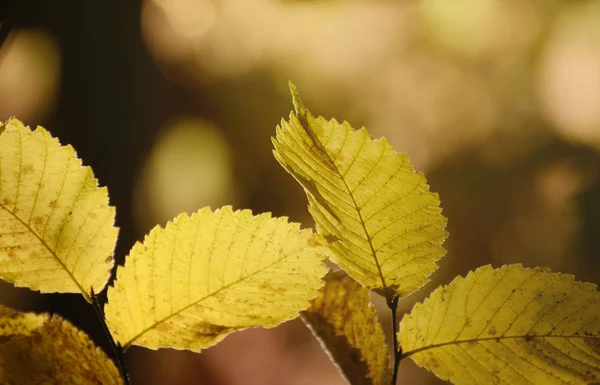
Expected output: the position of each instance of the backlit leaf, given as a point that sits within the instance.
(204, 276)
(385, 227)
(508, 326)
(44, 350)
(346, 323)
(57, 231)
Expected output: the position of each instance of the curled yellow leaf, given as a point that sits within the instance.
(187, 286)
(43, 350)
(346, 323)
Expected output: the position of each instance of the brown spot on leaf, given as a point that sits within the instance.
(203, 329)
(492, 330)
(12, 254)
(27, 168)
(314, 242)
(265, 286)
(433, 362)
(330, 238)
(593, 343)
(220, 295)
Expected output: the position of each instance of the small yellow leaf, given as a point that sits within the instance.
(346, 323)
(384, 225)
(57, 231)
(44, 350)
(508, 326)
(204, 276)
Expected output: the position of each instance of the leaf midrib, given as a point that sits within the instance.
(337, 170)
(127, 344)
(525, 336)
(52, 253)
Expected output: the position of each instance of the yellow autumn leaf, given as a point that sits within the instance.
(57, 231)
(346, 324)
(511, 325)
(382, 222)
(43, 350)
(187, 286)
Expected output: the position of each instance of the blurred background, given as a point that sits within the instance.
(173, 103)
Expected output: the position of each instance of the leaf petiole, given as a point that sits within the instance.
(393, 305)
(117, 349)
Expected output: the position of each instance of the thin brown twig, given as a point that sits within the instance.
(393, 305)
(117, 350)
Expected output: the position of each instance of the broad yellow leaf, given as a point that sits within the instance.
(508, 326)
(57, 231)
(346, 323)
(44, 350)
(204, 276)
(385, 227)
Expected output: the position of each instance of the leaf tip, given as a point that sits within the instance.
(298, 105)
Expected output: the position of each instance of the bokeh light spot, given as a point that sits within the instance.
(189, 167)
(29, 75)
(569, 75)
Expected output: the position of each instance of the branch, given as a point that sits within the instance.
(393, 305)
(117, 350)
